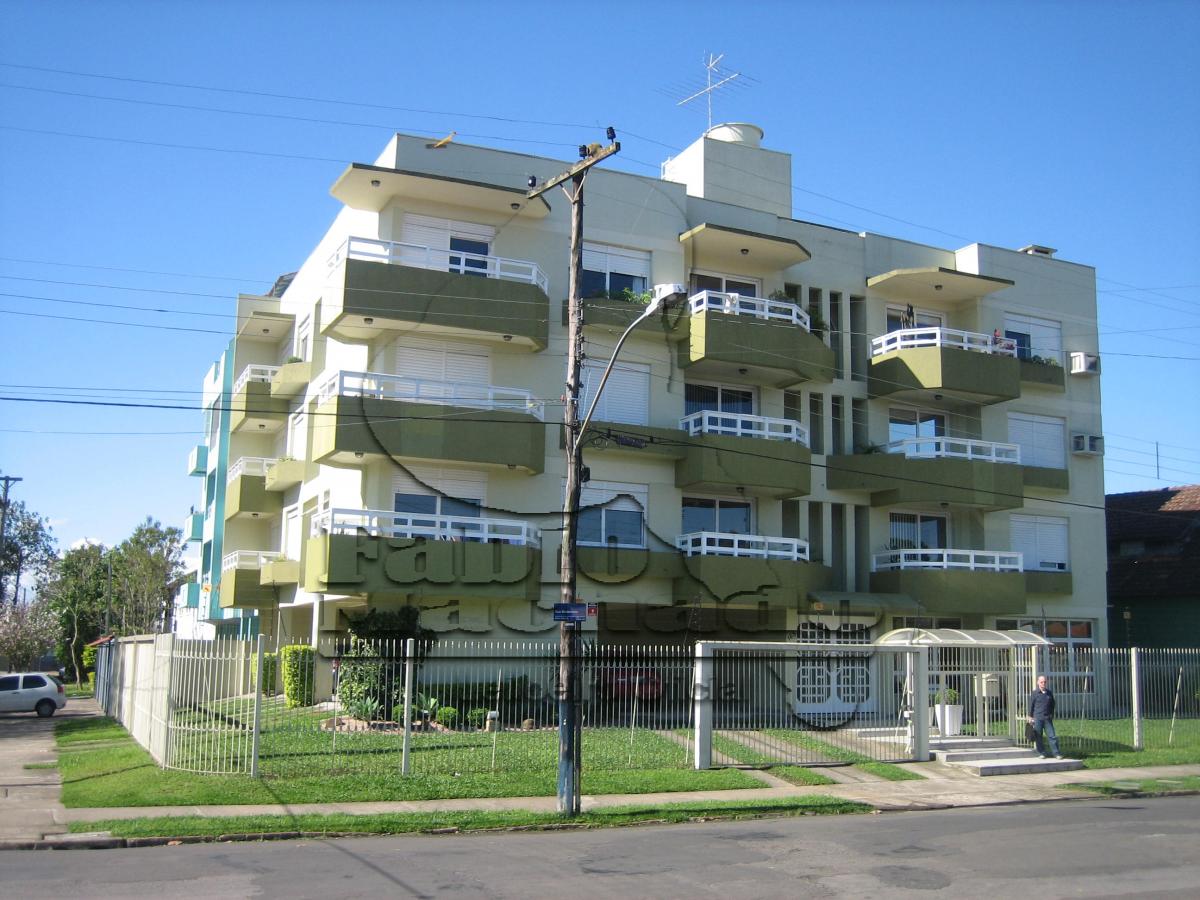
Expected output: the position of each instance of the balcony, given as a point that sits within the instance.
(919, 363)
(291, 379)
(387, 416)
(253, 409)
(198, 460)
(752, 339)
(955, 582)
(246, 494)
(284, 474)
(241, 585)
(746, 568)
(938, 470)
(380, 552)
(1044, 374)
(728, 450)
(744, 425)
(379, 285)
(193, 527)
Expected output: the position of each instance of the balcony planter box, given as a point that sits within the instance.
(1043, 375)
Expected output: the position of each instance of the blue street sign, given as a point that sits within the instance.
(570, 612)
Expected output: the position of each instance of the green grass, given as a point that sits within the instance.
(401, 823)
(44, 765)
(748, 756)
(75, 692)
(1108, 743)
(886, 771)
(120, 773)
(1156, 786)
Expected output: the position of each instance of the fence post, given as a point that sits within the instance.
(258, 676)
(920, 711)
(409, 670)
(703, 701)
(1135, 697)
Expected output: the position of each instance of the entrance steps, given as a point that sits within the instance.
(995, 756)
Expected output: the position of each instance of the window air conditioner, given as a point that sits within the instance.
(1087, 444)
(1085, 363)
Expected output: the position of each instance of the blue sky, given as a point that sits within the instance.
(1075, 125)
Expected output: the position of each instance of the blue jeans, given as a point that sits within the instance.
(1045, 727)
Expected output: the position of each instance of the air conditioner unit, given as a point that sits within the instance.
(1083, 363)
(1087, 444)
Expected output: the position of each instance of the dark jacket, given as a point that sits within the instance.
(1041, 704)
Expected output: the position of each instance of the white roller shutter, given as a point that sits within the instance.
(1045, 335)
(605, 258)
(1042, 439)
(614, 495)
(433, 360)
(461, 484)
(626, 396)
(429, 231)
(1043, 540)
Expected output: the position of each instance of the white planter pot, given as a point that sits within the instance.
(949, 717)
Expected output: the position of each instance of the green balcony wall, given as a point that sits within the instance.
(291, 379)
(249, 494)
(981, 377)
(768, 467)
(253, 406)
(1046, 479)
(726, 579)
(286, 473)
(956, 592)
(778, 353)
(892, 478)
(1049, 583)
(1051, 378)
(398, 428)
(241, 589)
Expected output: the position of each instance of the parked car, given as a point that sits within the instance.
(32, 692)
(623, 683)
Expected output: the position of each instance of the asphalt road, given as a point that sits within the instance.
(1126, 848)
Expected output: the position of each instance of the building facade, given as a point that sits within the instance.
(838, 433)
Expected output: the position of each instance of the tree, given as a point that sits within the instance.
(27, 630)
(76, 594)
(147, 571)
(28, 549)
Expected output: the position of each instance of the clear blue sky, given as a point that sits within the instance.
(1075, 125)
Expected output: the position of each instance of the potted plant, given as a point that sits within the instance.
(947, 712)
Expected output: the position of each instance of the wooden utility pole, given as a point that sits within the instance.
(569, 722)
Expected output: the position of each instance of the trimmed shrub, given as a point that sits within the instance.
(296, 663)
(477, 717)
(88, 658)
(364, 676)
(447, 715)
(270, 673)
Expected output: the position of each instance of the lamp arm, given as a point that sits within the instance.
(650, 310)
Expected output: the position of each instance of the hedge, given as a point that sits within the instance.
(296, 663)
(270, 674)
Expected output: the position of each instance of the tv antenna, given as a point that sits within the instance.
(712, 67)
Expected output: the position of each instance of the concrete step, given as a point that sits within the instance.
(967, 743)
(983, 767)
(969, 755)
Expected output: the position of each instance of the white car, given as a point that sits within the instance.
(31, 692)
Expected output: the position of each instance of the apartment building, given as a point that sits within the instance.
(837, 434)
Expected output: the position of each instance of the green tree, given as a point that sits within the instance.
(147, 571)
(75, 593)
(27, 630)
(28, 550)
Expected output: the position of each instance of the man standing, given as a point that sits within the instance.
(1041, 717)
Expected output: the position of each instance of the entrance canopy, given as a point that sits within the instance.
(957, 637)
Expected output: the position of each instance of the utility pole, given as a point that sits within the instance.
(8, 480)
(569, 724)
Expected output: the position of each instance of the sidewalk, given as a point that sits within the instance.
(30, 810)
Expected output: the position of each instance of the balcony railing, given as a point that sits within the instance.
(744, 425)
(248, 559)
(757, 307)
(380, 386)
(249, 465)
(936, 558)
(911, 338)
(397, 253)
(956, 448)
(263, 374)
(385, 523)
(746, 546)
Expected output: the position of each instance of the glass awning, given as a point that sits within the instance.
(958, 637)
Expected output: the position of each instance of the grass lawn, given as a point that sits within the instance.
(1155, 786)
(886, 771)
(118, 772)
(748, 756)
(1108, 743)
(415, 822)
(75, 692)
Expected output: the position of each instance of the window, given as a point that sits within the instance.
(1034, 337)
(717, 398)
(1069, 661)
(437, 361)
(1042, 439)
(626, 396)
(914, 423)
(10, 683)
(896, 316)
(468, 265)
(702, 281)
(612, 515)
(717, 514)
(303, 336)
(464, 240)
(297, 435)
(1043, 541)
(433, 491)
(925, 622)
(918, 531)
(613, 270)
(32, 681)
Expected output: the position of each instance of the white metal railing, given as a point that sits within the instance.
(934, 336)
(263, 374)
(708, 421)
(380, 386)
(248, 559)
(939, 558)
(398, 253)
(249, 465)
(956, 448)
(749, 546)
(386, 523)
(758, 307)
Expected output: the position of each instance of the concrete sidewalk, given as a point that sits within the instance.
(30, 808)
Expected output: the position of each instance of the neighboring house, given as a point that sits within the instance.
(839, 433)
(1154, 567)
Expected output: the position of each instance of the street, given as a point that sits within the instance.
(1109, 848)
